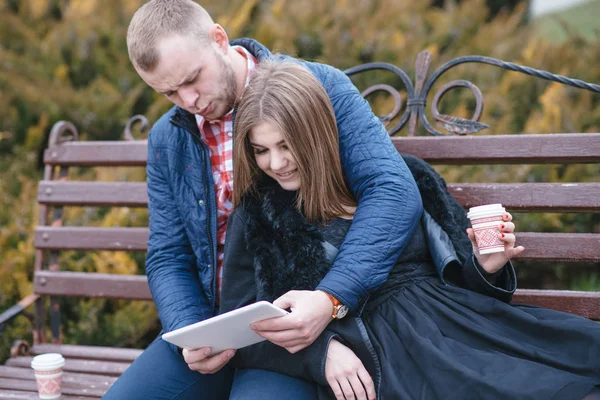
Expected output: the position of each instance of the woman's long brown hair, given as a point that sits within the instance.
(288, 96)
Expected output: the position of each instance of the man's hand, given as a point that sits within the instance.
(347, 375)
(311, 312)
(200, 360)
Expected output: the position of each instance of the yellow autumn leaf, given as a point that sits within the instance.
(38, 8)
(278, 8)
(398, 39)
(241, 18)
(434, 49)
(549, 119)
(117, 262)
(61, 74)
(82, 8)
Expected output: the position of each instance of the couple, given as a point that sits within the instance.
(328, 219)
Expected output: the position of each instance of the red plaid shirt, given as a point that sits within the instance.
(218, 136)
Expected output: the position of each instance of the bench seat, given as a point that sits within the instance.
(88, 372)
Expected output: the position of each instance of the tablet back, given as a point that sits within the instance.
(226, 331)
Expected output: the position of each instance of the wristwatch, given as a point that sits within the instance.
(339, 310)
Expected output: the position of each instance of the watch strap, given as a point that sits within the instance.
(336, 305)
(335, 301)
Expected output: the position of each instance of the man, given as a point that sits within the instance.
(180, 52)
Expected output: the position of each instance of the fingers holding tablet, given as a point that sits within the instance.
(202, 361)
(230, 330)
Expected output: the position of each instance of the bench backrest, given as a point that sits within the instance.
(533, 197)
(56, 192)
(52, 236)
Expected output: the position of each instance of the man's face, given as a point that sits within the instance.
(196, 76)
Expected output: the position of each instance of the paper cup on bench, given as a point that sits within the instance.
(485, 221)
(48, 370)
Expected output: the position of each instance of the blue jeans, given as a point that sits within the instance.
(161, 373)
(251, 384)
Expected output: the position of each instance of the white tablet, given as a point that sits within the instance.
(226, 331)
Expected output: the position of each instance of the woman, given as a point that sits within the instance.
(440, 327)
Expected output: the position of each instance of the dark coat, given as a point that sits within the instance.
(271, 249)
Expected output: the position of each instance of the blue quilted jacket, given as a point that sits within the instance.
(181, 258)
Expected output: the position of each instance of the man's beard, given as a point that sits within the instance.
(230, 92)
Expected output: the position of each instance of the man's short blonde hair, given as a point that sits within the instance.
(159, 19)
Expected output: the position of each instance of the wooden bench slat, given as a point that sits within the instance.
(566, 247)
(566, 197)
(91, 238)
(570, 247)
(89, 352)
(105, 153)
(516, 196)
(504, 149)
(68, 388)
(110, 194)
(27, 374)
(16, 373)
(586, 304)
(82, 284)
(110, 368)
(20, 395)
(89, 284)
(493, 149)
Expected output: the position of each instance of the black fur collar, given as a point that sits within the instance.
(288, 251)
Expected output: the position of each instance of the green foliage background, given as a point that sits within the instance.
(67, 59)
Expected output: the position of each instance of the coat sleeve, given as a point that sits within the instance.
(467, 274)
(500, 285)
(170, 262)
(389, 203)
(239, 289)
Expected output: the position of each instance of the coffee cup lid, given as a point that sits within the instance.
(47, 361)
(485, 210)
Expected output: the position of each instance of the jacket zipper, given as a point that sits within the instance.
(203, 149)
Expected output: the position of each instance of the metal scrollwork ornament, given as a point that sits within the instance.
(417, 93)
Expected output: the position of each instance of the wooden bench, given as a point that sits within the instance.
(90, 370)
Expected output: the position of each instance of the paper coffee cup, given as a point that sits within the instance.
(48, 369)
(485, 221)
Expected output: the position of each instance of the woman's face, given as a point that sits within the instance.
(273, 155)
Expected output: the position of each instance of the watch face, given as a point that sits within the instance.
(342, 311)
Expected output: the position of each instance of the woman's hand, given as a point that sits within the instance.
(346, 374)
(311, 313)
(494, 261)
(202, 361)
